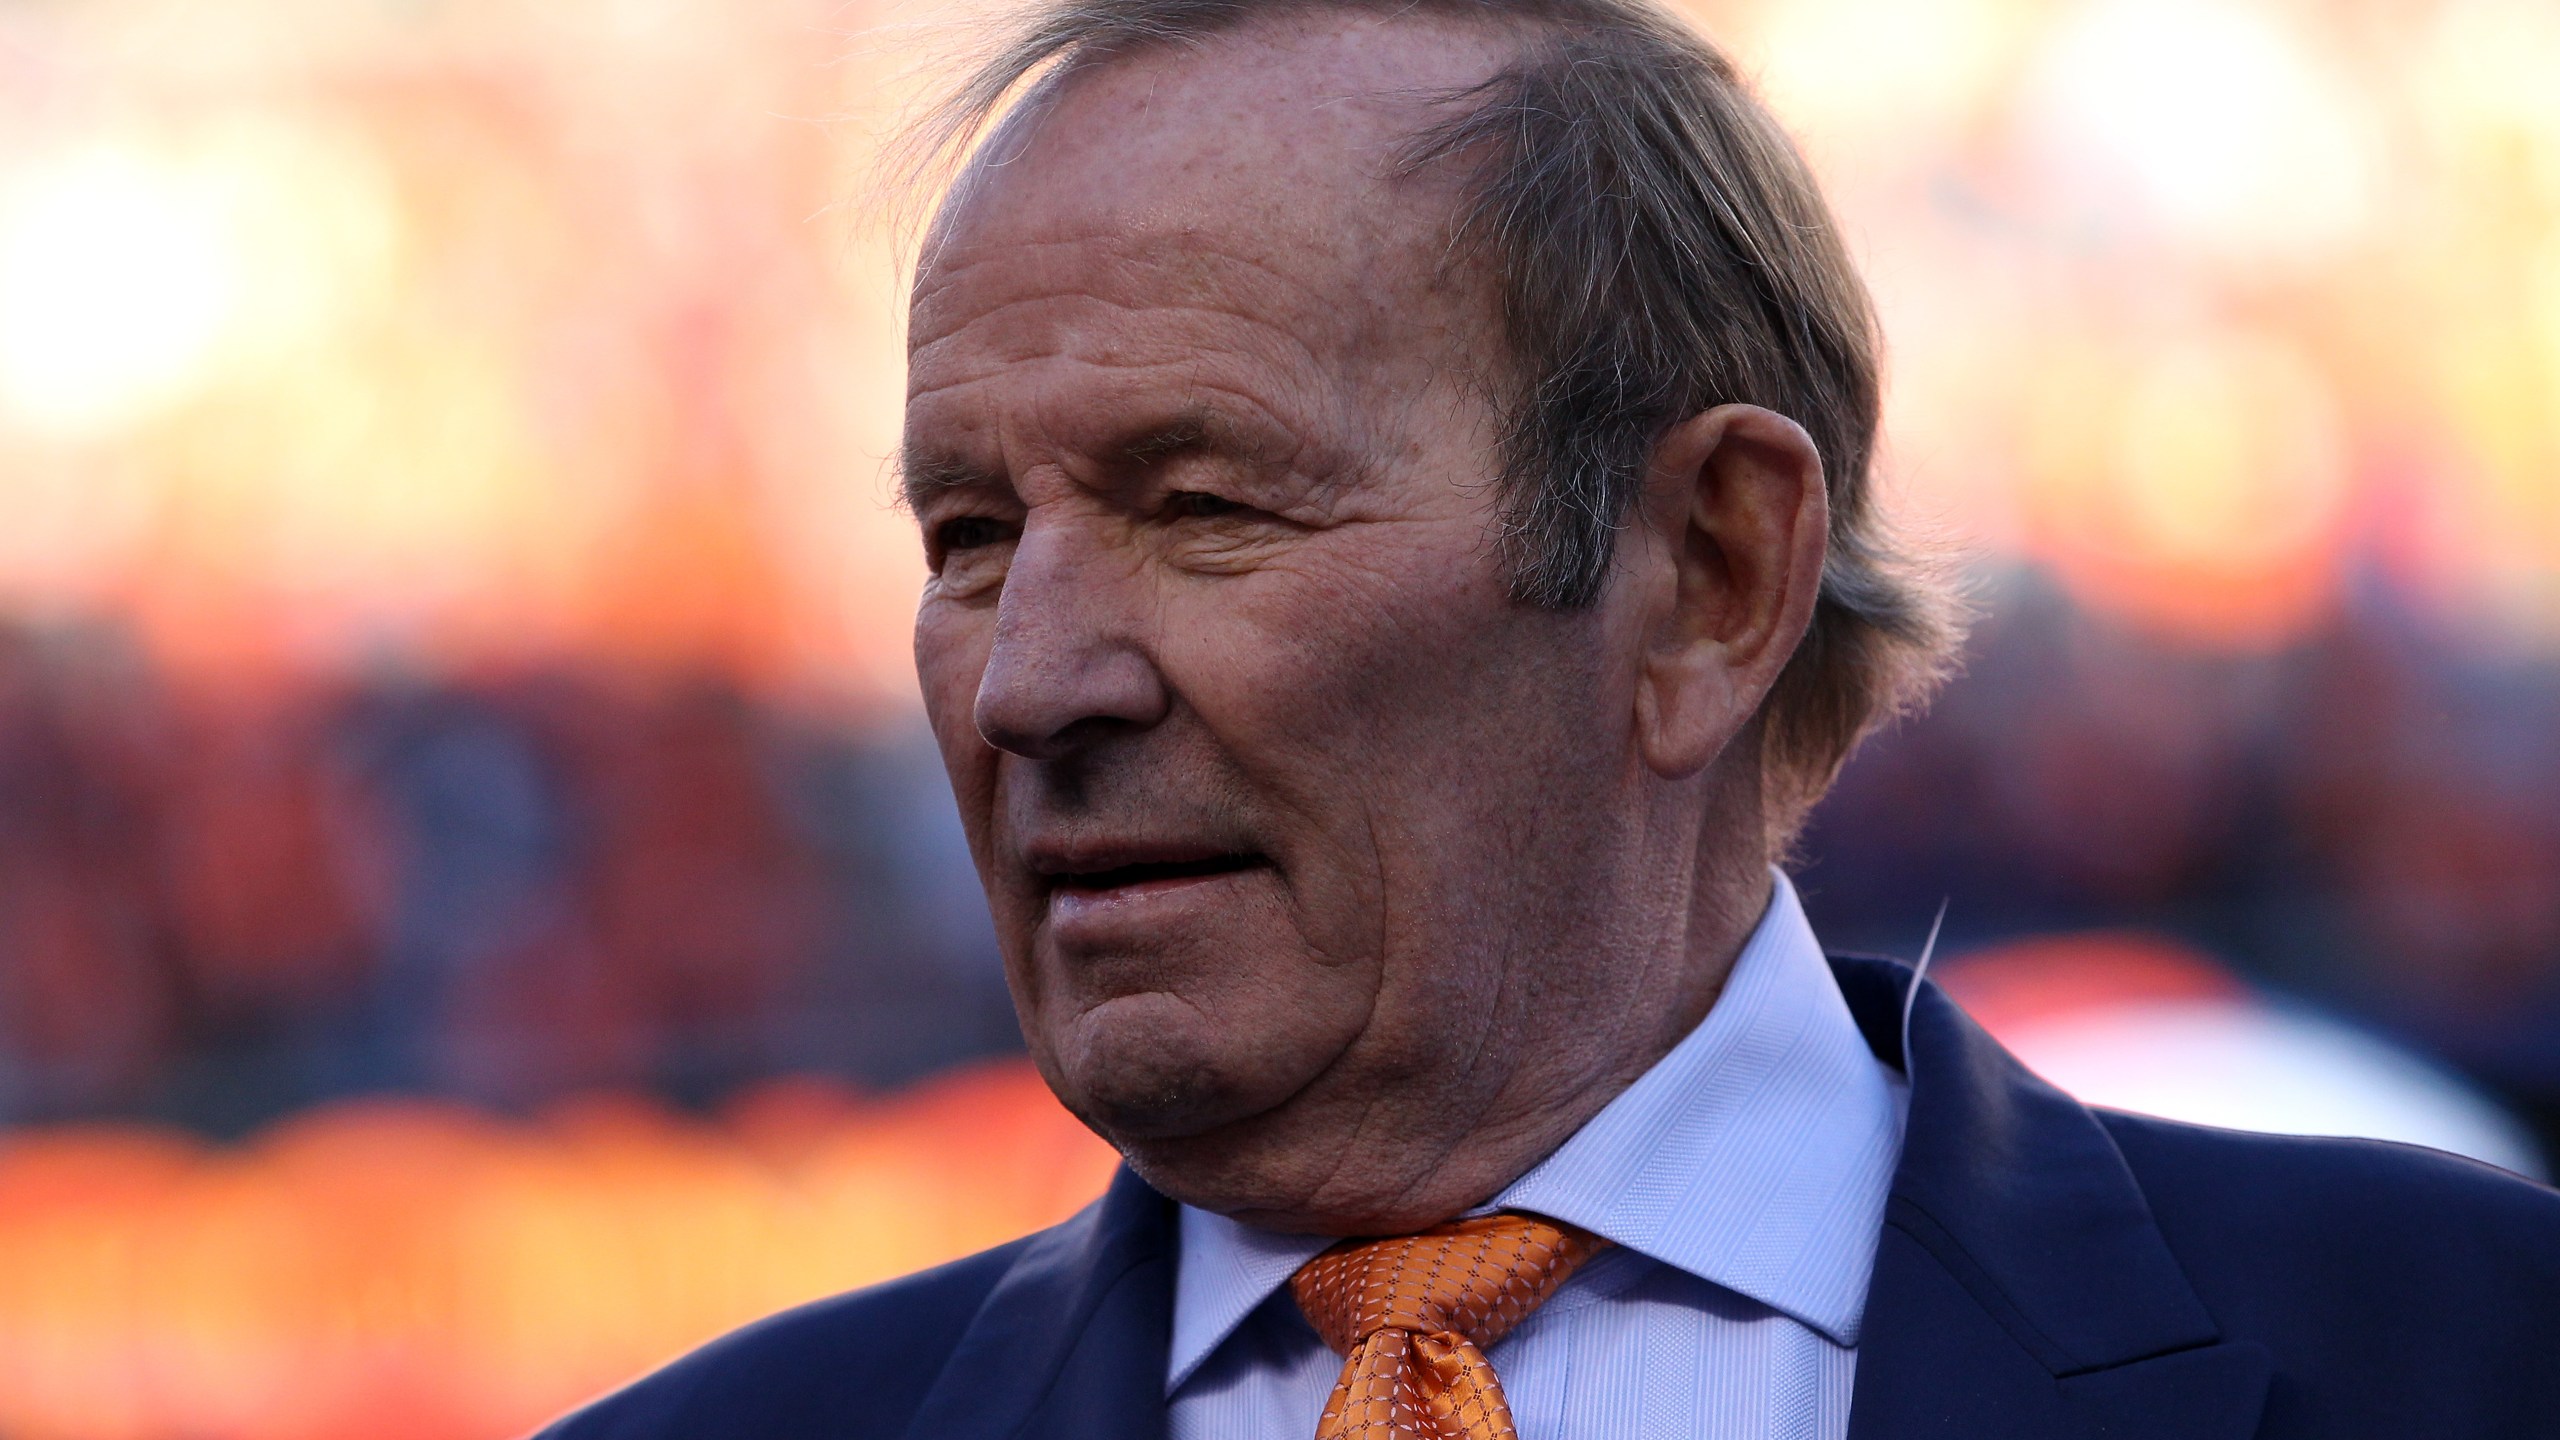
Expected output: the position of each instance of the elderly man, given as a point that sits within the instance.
(1394, 477)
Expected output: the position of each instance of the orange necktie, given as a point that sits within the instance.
(1413, 1315)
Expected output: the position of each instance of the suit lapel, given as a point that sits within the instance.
(2021, 1288)
(1072, 1341)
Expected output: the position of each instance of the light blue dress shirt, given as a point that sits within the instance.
(1743, 1178)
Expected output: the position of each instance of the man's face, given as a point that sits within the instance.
(1287, 814)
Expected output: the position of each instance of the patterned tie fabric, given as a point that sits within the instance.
(1414, 1314)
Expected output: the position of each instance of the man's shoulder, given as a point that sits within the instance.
(2385, 1204)
(853, 1365)
(2383, 1271)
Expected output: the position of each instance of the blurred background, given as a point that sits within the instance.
(478, 913)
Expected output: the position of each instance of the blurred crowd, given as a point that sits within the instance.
(217, 908)
(2369, 816)
(438, 441)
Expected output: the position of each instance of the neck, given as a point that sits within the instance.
(1545, 1106)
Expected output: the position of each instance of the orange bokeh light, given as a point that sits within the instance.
(403, 1269)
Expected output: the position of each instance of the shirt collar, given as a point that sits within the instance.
(1756, 1155)
(1227, 1268)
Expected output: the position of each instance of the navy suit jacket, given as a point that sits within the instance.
(2046, 1270)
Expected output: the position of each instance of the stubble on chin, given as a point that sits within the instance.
(1131, 1068)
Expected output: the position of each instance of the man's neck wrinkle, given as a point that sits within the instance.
(1536, 1112)
(1480, 1164)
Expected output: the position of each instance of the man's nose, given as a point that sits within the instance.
(1068, 667)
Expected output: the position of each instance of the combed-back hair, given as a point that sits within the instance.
(1660, 249)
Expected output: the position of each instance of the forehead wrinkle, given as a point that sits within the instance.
(1128, 349)
(1246, 377)
(1184, 271)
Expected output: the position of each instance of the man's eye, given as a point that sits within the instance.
(1199, 505)
(968, 532)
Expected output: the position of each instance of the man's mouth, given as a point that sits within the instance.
(1083, 873)
(1148, 872)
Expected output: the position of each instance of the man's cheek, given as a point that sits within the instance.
(951, 655)
(951, 646)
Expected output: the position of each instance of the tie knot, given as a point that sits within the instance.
(1473, 1278)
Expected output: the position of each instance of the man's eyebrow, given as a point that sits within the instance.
(1196, 430)
(920, 477)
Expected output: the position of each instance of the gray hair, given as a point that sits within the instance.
(1661, 249)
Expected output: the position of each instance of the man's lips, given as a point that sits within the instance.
(1102, 895)
(1145, 872)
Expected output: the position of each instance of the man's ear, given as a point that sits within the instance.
(1735, 500)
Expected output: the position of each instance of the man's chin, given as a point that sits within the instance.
(1140, 1083)
(1131, 1113)
(1205, 1141)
